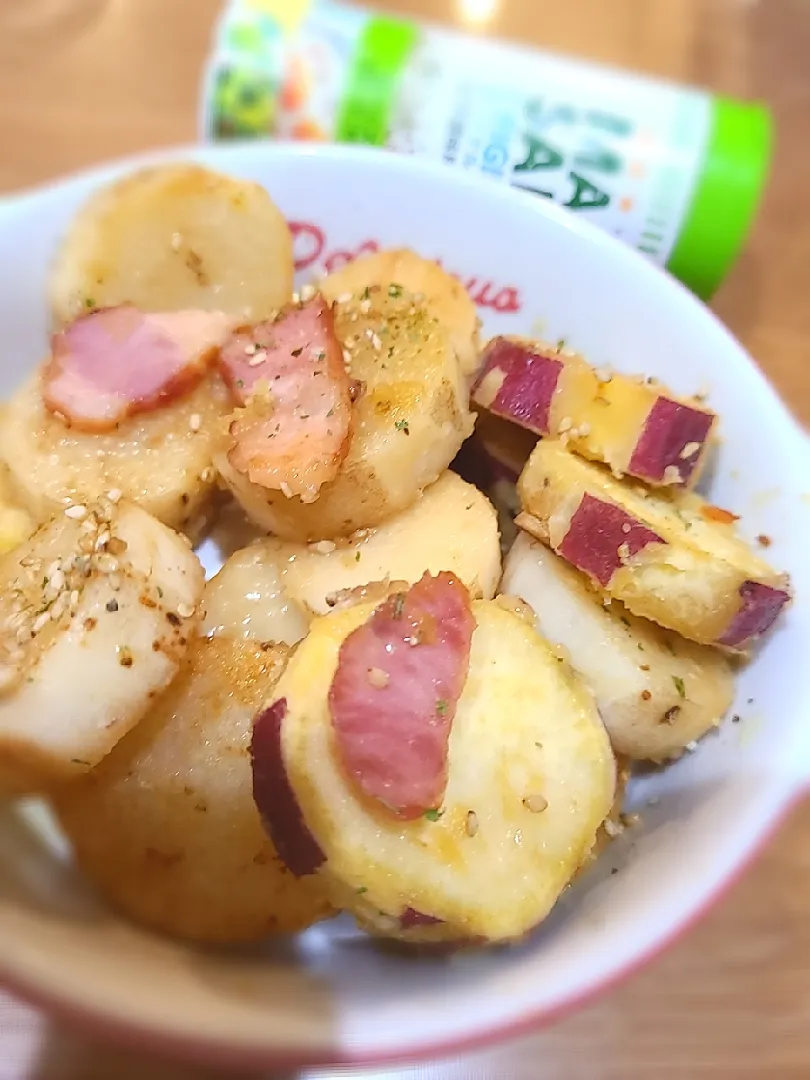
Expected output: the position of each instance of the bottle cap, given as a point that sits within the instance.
(726, 195)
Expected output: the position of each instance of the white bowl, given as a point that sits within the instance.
(332, 996)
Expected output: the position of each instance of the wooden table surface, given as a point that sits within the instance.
(732, 1000)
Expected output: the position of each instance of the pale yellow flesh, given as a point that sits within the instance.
(525, 729)
(422, 279)
(689, 583)
(88, 676)
(270, 590)
(407, 425)
(166, 827)
(656, 691)
(163, 459)
(175, 237)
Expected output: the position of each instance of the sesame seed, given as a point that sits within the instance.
(177, 241)
(603, 375)
(116, 546)
(307, 292)
(296, 298)
(535, 804)
(672, 475)
(471, 824)
(691, 747)
(195, 422)
(565, 424)
(365, 307)
(378, 678)
(286, 490)
(623, 551)
(689, 450)
(323, 547)
(57, 580)
(89, 525)
(59, 607)
(107, 564)
(185, 611)
(250, 349)
(344, 298)
(208, 474)
(258, 359)
(40, 622)
(613, 828)
(102, 539)
(584, 430)
(74, 600)
(347, 356)
(76, 512)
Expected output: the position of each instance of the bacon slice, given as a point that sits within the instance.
(289, 374)
(119, 361)
(395, 691)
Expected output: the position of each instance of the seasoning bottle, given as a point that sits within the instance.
(674, 172)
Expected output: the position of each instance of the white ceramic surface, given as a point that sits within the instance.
(332, 995)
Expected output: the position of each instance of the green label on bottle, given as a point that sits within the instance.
(372, 80)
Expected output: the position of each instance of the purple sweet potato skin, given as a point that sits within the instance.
(596, 532)
(669, 429)
(757, 613)
(275, 798)
(527, 390)
(409, 918)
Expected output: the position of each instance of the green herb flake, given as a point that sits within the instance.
(561, 344)
(399, 604)
(366, 294)
(361, 890)
(402, 425)
(434, 814)
(679, 686)
(394, 291)
(89, 302)
(357, 556)
(441, 707)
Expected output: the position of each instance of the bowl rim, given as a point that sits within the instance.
(220, 1051)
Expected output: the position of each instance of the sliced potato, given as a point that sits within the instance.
(408, 424)
(162, 460)
(96, 610)
(270, 590)
(166, 827)
(531, 777)
(656, 691)
(248, 599)
(172, 237)
(678, 561)
(403, 273)
(16, 524)
(633, 424)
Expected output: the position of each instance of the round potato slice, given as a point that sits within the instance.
(402, 272)
(530, 778)
(166, 827)
(163, 460)
(173, 237)
(408, 423)
(678, 561)
(656, 692)
(96, 611)
(274, 588)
